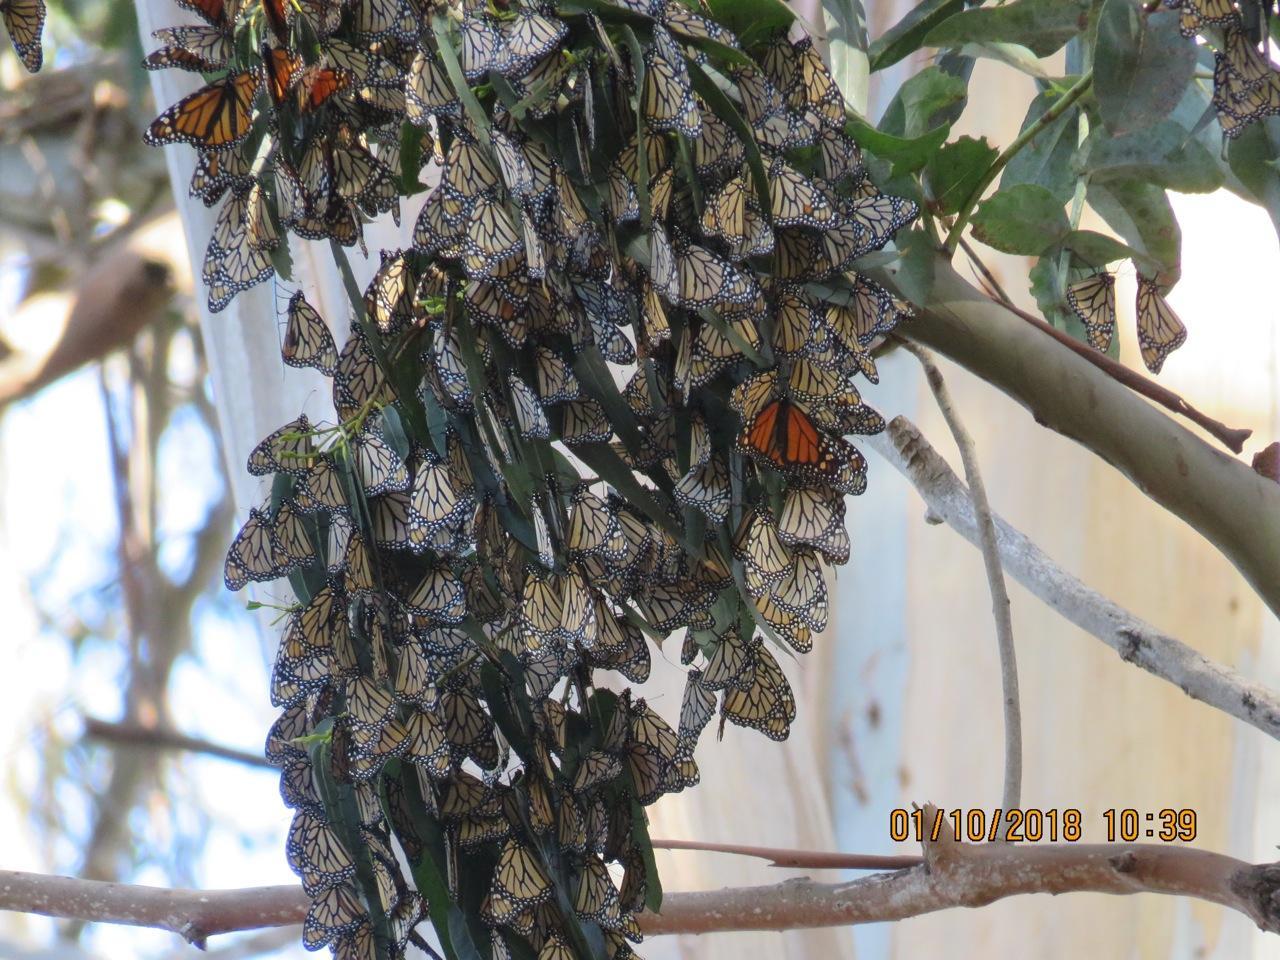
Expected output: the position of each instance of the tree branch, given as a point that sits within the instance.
(952, 875)
(138, 735)
(1234, 508)
(1137, 641)
(801, 859)
(1011, 797)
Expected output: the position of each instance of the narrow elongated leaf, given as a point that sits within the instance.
(907, 35)
(1042, 26)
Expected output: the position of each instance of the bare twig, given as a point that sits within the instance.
(952, 875)
(1137, 641)
(1217, 495)
(1012, 795)
(796, 859)
(1232, 438)
(139, 735)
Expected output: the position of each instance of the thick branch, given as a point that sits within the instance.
(1237, 510)
(1134, 639)
(953, 875)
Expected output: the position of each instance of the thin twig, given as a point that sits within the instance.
(1135, 640)
(135, 734)
(985, 273)
(797, 859)
(1012, 795)
(1232, 438)
(1043, 122)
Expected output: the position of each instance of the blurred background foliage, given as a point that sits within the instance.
(115, 514)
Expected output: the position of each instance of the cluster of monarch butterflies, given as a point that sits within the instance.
(1160, 331)
(24, 21)
(602, 398)
(1246, 85)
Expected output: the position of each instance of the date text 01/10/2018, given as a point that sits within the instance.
(1033, 825)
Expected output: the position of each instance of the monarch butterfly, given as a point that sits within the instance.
(706, 280)
(387, 299)
(435, 500)
(307, 340)
(841, 157)
(334, 913)
(1197, 13)
(717, 148)
(24, 21)
(427, 91)
(797, 202)
(1160, 332)
(1093, 300)
(797, 70)
(216, 172)
(358, 379)
(879, 217)
(811, 516)
(378, 467)
(595, 768)
(218, 115)
(439, 597)
(529, 37)
(315, 853)
(677, 17)
(667, 99)
(520, 877)
(730, 662)
(1243, 59)
(216, 13)
(556, 382)
(281, 68)
(177, 58)
(767, 705)
(803, 592)
(1239, 105)
(285, 450)
(531, 419)
(772, 122)
(724, 215)
(595, 899)
(784, 436)
(868, 314)
(697, 706)
(317, 84)
(210, 44)
(494, 247)
(483, 48)
(253, 554)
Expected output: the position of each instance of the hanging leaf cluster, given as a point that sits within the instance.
(602, 399)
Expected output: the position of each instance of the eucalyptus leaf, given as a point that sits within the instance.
(1164, 154)
(1042, 26)
(1024, 219)
(907, 35)
(1140, 212)
(955, 171)
(1142, 65)
(912, 111)
(1046, 160)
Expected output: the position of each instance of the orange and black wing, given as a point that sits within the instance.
(218, 115)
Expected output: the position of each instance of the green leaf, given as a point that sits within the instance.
(1043, 26)
(914, 277)
(1141, 214)
(1046, 160)
(911, 112)
(752, 21)
(1142, 65)
(1046, 287)
(907, 35)
(1164, 154)
(1024, 219)
(906, 155)
(954, 172)
(846, 23)
(1252, 157)
(1097, 249)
